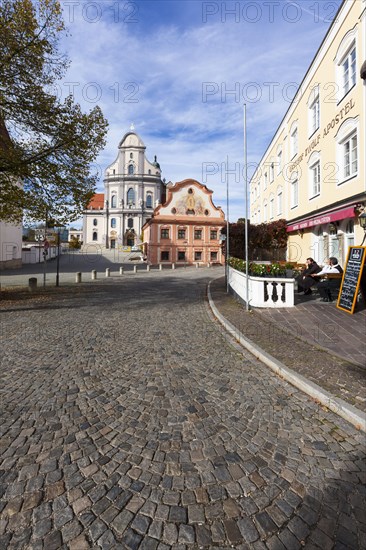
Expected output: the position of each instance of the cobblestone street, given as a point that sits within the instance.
(130, 421)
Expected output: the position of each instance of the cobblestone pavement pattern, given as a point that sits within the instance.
(131, 422)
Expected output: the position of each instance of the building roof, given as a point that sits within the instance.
(97, 202)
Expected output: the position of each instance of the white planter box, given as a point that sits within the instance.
(263, 291)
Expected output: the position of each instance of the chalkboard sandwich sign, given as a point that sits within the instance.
(353, 277)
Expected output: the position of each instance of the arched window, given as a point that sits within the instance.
(95, 236)
(113, 223)
(149, 200)
(95, 222)
(130, 196)
(130, 223)
(131, 169)
(114, 201)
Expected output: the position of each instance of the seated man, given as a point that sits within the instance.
(325, 287)
(304, 281)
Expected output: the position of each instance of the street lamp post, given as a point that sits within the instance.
(362, 222)
(246, 210)
(107, 223)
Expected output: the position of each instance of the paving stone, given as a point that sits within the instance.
(164, 445)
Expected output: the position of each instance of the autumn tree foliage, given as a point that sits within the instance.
(47, 145)
(261, 237)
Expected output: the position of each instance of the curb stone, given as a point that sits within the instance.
(356, 417)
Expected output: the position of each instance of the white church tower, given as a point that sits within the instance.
(133, 187)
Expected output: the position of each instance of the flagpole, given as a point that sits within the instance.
(246, 209)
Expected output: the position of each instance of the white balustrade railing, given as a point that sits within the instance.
(263, 291)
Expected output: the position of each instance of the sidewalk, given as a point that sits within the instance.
(314, 339)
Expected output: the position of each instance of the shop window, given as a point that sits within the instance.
(213, 256)
(198, 255)
(181, 256)
(164, 233)
(164, 256)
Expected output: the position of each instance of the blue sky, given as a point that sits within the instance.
(181, 71)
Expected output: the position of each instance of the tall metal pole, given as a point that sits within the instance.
(227, 230)
(246, 209)
(107, 224)
(58, 258)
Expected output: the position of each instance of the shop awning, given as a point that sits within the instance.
(327, 217)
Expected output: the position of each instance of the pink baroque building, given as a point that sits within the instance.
(186, 228)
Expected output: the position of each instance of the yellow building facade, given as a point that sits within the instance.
(313, 172)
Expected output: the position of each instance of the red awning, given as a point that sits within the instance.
(328, 217)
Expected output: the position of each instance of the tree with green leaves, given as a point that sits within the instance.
(47, 145)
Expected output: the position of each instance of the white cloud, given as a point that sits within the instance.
(155, 76)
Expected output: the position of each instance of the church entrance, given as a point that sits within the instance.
(130, 238)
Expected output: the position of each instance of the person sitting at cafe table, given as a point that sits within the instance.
(304, 281)
(326, 286)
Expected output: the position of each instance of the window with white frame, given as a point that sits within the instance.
(294, 192)
(279, 201)
(271, 172)
(349, 70)
(279, 161)
(315, 179)
(314, 115)
(271, 207)
(264, 212)
(350, 160)
(294, 143)
(346, 63)
(265, 180)
(347, 150)
(114, 201)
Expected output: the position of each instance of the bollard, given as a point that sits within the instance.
(173, 266)
(32, 284)
(78, 277)
(93, 274)
(208, 264)
(160, 267)
(147, 268)
(121, 270)
(135, 268)
(108, 272)
(197, 266)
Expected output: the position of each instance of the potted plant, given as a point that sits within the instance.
(289, 267)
